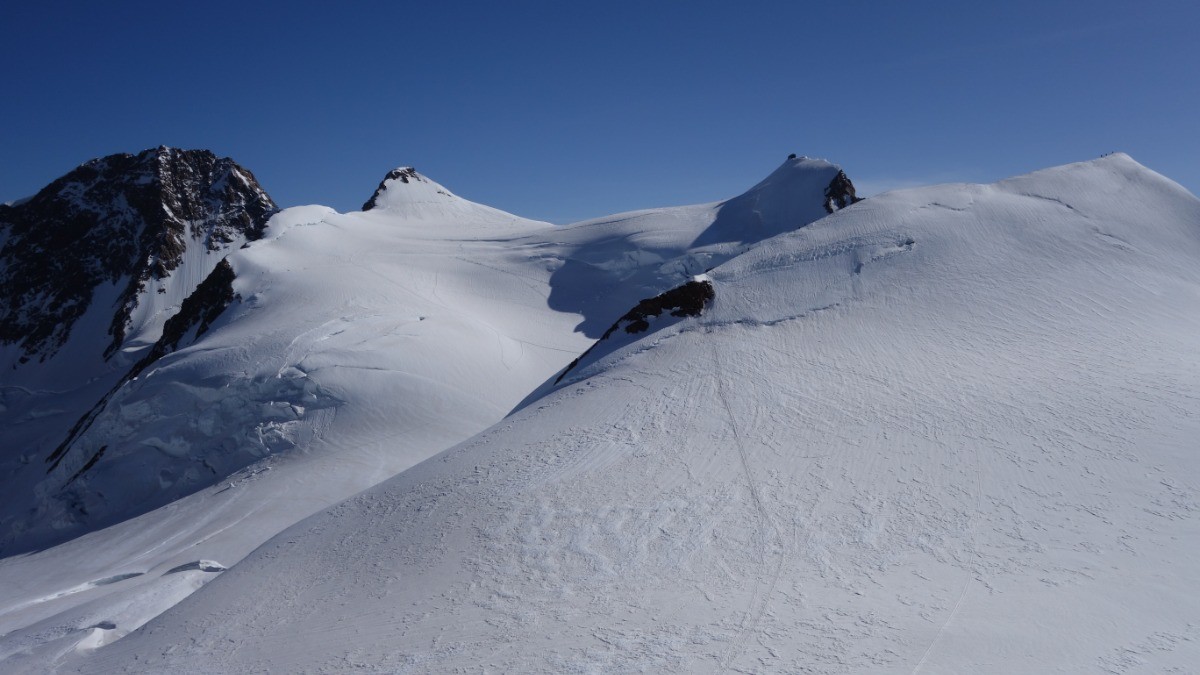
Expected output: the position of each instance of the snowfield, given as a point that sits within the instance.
(947, 429)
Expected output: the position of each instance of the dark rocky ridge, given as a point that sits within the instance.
(686, 300)
(840, 193)
(198, 312)
(689, 299)
(122, 219)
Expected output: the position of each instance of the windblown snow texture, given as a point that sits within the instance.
(946, 430)
(471, 281)
(940, 430)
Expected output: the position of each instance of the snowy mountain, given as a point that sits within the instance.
(118, 241)
(440, 300)
(94, 267)
(948, 429)
(337, 350)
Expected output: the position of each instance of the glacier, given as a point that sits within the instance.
(944, 429)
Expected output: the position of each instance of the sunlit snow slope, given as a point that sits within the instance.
(950, 429)
(355, 345)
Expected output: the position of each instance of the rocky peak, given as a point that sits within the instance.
(840, 193)
(125, 220)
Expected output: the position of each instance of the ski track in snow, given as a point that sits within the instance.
(942, 629)
(753, 614)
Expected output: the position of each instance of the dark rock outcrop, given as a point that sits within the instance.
(124, 220)
(689, 299)
(196, 313)
(840, 193)
(686, 300)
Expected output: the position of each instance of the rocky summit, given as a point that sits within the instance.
(120, 227)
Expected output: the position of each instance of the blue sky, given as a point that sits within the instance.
(569, 110)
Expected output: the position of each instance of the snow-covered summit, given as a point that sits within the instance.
(405, 175)
(637, 255)
(407, 195)
(801, 190)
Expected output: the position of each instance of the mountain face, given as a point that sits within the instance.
(945, 429)
(247, 355)
(114, 236)
(330, 354)
(791, 430)
(102, 273)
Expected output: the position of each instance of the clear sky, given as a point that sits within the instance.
(565, 110)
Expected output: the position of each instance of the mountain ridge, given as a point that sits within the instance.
(86, 484)
(869, 414)
(125, 220)
(909, 435)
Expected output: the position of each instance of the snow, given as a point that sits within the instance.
(455, 309)
(948, 429)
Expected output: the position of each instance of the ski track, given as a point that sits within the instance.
(942, 628)
(753, 615)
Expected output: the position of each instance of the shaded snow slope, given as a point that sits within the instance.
(951, 429)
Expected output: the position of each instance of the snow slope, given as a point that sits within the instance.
(424, 298)
(610, 261)
(390, 321)
(358, 345)
(949, 429)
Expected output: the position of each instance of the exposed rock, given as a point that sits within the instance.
(840, 193)
(122, 219)
(686, 300)
(689, 299)
(90, 463)
(197, 312)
